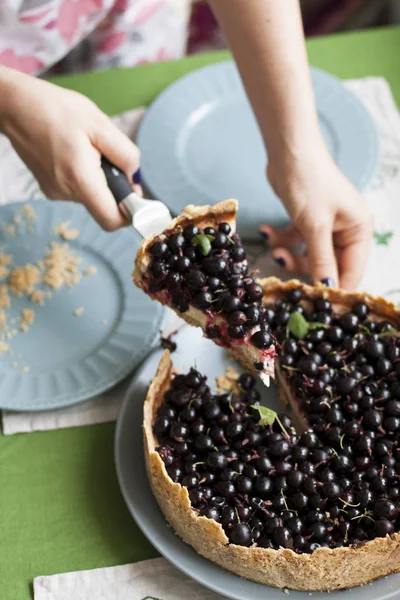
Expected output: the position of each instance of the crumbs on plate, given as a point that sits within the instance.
(59, 267)
(65, 232)
(228, 382)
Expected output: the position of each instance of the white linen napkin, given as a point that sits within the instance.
(379, 279)
(153, 579)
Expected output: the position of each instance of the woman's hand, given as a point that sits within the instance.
(60, 135)
(328, 214)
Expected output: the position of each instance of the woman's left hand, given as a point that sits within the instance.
(328, 214)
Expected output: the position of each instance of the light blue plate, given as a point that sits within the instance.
(73, 358)
(200, 144)
(211, 360)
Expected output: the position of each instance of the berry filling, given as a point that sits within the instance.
(207, 269)
(337, 483)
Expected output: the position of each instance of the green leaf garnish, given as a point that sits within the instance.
(364, 329)
(316, 325)
(299, 327)
(204, 241)
(267, 415)
(392, 332)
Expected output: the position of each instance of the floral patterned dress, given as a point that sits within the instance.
(35, 35)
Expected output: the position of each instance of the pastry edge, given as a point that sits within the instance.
(324, 569)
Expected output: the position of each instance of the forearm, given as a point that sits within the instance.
(267, 41)
(9, 79)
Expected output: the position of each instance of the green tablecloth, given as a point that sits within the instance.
(60, 506)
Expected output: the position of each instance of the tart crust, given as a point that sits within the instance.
(203, 216)
(324, 569)
(380, 308)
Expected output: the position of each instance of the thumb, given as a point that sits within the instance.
(118, 148)
(322, 259)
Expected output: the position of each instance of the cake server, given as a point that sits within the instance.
(149, 217)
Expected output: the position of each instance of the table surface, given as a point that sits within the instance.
(60, 505)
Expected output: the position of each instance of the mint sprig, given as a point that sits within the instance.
(299, 327)
(392, 332)
(268, 417)
(204, 241)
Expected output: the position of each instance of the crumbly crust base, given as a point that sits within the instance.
(324, 569)
(203, 216)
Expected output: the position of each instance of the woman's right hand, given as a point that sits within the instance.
(61, 135)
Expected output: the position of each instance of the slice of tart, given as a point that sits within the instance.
(238, 484)
(198, 267)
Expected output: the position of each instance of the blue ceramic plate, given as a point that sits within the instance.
(200, 144)
(71, 358)
(129, 459)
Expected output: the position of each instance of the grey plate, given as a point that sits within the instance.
(129, 459)
(200, 144)
(71, 359)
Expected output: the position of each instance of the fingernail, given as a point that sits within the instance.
(137, 177)
(265, 236)
(328, 282)
(280, 261)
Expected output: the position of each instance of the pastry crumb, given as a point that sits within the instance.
(3, 347)
(27, 317)
(90, 270)
(10, 230)
(4, 272)
(14, 364)
(105, 321)
(28, 213)
(61, 267)
(37, 297)
(25, 369)
(285, 591)
(228, 381)
(65, 232)
(2, 317)
(22, 280)
(4, 297)
(78, 311)
(5, 259)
